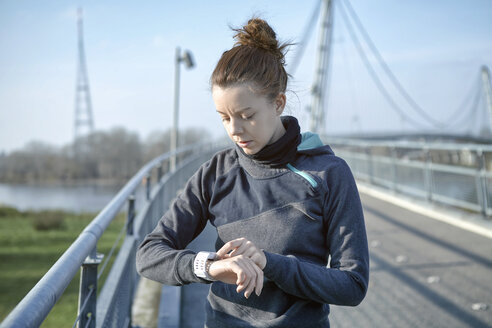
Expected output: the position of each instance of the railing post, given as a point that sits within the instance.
(167, 167)
(130, 215)
(483, 195)
(147, 186)
(130, 231)
(88, 290)
(369, 165)
(159, 172)
(394, 158)
(428, 173)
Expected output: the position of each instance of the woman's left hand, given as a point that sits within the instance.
(243, 246)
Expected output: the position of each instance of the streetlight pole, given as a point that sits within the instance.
(188, 59)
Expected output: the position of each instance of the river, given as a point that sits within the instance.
(83, 197)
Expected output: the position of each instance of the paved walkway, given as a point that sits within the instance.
(424, 273)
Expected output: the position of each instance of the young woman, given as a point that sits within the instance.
(291, 234)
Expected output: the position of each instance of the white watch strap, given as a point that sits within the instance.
(199, 267)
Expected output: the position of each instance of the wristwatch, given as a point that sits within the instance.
(200, 267)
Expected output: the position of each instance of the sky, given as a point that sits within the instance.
(434, 48)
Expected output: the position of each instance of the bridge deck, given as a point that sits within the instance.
(424, 273)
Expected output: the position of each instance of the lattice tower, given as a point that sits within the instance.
(84, 122)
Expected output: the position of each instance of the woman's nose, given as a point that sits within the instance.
(235, 127)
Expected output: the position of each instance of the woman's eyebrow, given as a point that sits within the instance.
(237, 112)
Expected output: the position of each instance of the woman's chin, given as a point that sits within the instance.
(251, 150)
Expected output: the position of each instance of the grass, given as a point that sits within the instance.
(26, 254)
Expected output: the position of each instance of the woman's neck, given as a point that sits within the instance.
(279, 132)
(281, 151)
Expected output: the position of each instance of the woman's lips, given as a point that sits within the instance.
(243, 144)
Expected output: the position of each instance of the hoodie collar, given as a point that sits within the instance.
(282, 151)
(309, 140)
(310, 145)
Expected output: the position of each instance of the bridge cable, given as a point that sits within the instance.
(84, 305)
(373, 74)
(470, 102)
(475, 111)
(301, 46)
(88, 323)
(391, 75)
(351, 85)
(386, 68)
(110, 254)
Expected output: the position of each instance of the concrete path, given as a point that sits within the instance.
(424, 273)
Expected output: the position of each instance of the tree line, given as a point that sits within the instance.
(113, 155)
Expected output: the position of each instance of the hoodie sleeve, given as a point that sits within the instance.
(162, 255)
(345, 281)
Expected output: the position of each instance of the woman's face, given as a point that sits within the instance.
(252, 121)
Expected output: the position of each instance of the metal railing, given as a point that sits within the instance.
(112, 307)
(454, 174)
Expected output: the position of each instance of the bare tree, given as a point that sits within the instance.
(116, 154)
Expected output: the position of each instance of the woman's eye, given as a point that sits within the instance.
(225, 119)
(248, 117)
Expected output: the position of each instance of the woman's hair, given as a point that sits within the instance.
(257, 58)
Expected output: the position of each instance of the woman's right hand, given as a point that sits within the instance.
(239, 270)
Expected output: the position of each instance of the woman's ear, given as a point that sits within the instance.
(280, 102)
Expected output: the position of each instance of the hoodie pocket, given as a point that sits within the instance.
(295, 228)
(311, 209)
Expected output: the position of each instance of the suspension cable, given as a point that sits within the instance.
(392, 76)
(386, 68)
(474, 111)
(301, 46)
(470, 102)
(113, 247)
(352, 89)
(84, 305)
(373, 74)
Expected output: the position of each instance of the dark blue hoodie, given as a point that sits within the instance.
(307, 217)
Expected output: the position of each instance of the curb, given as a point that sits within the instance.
(463, 220)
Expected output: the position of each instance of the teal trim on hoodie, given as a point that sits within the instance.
(305, 175)
(309, 141)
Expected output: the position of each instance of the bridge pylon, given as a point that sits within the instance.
(487, 90)
(321, 73)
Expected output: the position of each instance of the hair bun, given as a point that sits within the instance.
(257, 33)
